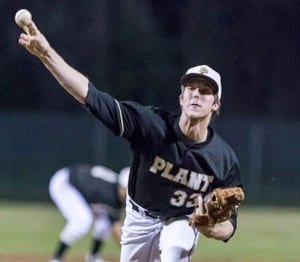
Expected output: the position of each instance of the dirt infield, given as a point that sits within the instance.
(19, 258)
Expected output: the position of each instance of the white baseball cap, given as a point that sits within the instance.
(123, 177)
(205, 72)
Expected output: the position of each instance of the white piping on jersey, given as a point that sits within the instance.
(121, 119)
(104, 174)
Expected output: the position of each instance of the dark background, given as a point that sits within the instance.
(138, 50)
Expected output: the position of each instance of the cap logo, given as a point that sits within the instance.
(203, 70)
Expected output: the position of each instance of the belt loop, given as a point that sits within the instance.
(149, 214)
(134, 206)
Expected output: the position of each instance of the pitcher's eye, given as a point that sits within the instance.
(206, 91)
(190, 87)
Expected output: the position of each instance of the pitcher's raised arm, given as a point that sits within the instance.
(68, 77)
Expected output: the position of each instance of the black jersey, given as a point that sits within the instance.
(168, 169)
(98, 185)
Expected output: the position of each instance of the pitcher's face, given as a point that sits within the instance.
(197, 99)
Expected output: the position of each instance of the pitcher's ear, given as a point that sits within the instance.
(216, 105)
(180, 97)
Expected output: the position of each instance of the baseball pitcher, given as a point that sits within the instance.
(177, 159)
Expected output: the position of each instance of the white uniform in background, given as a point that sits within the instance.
(87, 196)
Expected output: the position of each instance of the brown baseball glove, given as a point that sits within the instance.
(217, 206)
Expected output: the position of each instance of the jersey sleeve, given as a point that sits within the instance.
(128, 119)
(233, 176)
(234, 179)
(105, 108)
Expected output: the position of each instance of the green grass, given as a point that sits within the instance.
(33, 229)
(264, 234)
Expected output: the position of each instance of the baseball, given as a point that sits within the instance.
(23, 17)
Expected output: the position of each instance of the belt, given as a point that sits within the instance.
(140, 210)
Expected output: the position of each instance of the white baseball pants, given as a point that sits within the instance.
(146, 239)
(77, 212)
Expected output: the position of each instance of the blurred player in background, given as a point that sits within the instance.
(88, 195)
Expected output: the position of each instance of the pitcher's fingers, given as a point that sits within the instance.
(200, 208)
(33, 29)
(23, 39)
